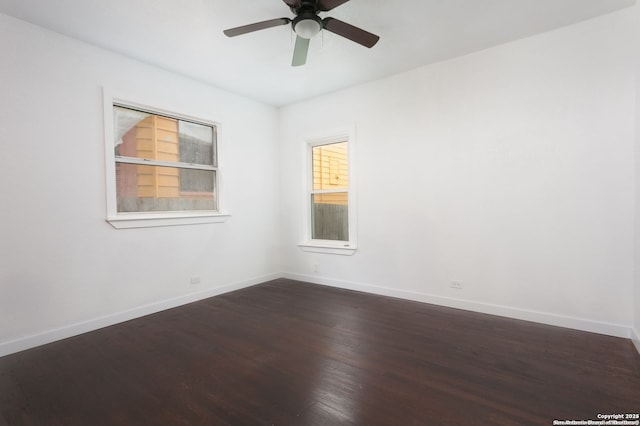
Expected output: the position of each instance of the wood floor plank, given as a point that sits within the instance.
(293, 353)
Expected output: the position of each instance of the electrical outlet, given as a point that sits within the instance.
(315, 268)
(195, 280)
(458, 285)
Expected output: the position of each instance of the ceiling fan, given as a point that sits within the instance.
(307, 24)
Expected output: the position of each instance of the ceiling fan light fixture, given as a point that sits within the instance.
(307, 27)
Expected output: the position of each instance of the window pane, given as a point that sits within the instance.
(154, 137)
(196, 143)
(330, 166)
(153, 189)
(329, 216)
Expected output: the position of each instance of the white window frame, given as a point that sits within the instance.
(347, 248)
(120, 220)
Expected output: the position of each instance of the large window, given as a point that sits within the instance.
(164, 166)
(163, 163)
(330, 216)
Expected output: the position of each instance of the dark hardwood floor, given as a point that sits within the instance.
(291, 353)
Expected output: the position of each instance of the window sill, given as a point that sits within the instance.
(149, 220)
(344, 250)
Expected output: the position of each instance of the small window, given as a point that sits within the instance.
(163, 166)
(330, 192)
(330, 218)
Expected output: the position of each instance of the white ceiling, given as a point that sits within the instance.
(186, 37)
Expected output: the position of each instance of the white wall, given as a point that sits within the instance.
(62, 267)
(511, 170)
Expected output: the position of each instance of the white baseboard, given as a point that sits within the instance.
(635, 338)
(71, 330)
(616, 330)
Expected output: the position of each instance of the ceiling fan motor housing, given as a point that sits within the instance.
(302, 6)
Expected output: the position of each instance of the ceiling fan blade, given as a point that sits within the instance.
(356, 34)
(300, 51)
(325, 5)
(293, 3)
(232, 32)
